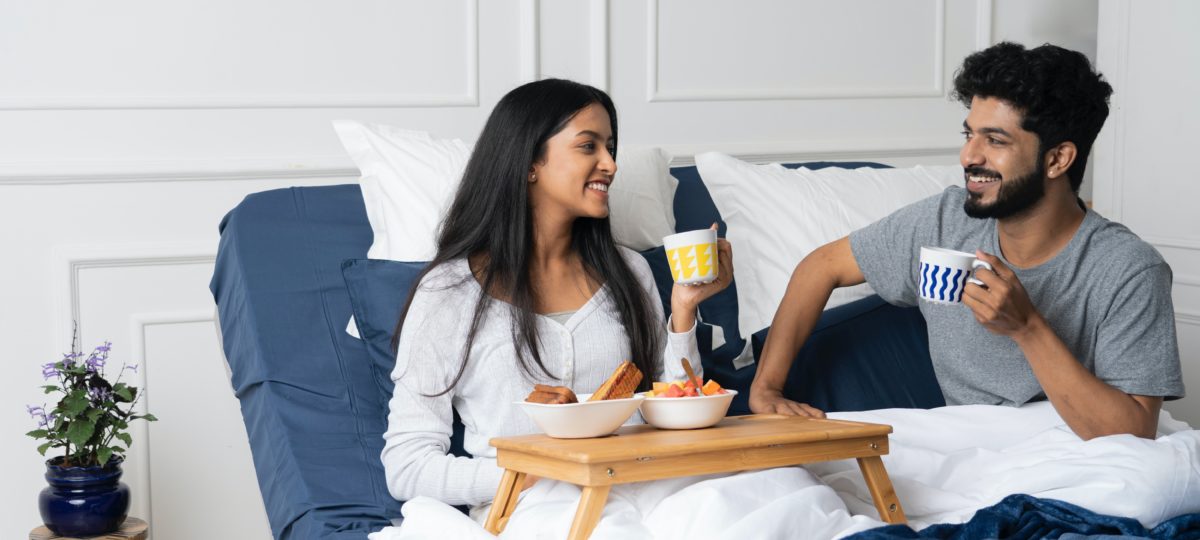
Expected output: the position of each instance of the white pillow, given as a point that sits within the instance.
(777, 216)
(409, 178)
(641, 199)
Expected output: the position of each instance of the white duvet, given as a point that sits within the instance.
(945, 464)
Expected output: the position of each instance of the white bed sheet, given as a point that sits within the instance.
(945, 464)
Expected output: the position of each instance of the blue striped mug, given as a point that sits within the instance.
(944, 273)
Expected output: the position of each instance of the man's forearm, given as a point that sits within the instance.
(807, 292)
(1090, 407)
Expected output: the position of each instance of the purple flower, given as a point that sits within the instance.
(69, 359)
(39, 414)
(95, 363)
(99, 395)
(49, 371)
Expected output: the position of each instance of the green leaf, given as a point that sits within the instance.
(123, 392)
(42, 449)
(94, 414)
(49, 388)
(74, 403)
(103, 453)
(121, 424)
(150, 417)
(38, 433)
(80, 431)
(125, 438)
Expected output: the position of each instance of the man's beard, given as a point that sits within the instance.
(1014, 196)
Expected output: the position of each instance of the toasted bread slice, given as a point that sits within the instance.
(622, 384)
(552, 395)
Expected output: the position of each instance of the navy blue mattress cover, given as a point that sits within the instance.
(312, 410)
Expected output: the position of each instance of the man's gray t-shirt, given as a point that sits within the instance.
(1107, 295)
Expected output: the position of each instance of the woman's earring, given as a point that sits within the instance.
(532, 178)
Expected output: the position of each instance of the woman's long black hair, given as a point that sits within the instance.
(491, 218)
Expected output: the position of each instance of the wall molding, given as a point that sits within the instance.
(656, 94)
(70, 261)
(1173, 242)
(1113, 21)
(469, 97)
(598, 26)
(598, 29)
(817, 151)
(1187, 279)
(138, 323)
(983, 24)
(1187, 317)
(530, 36)
(121, 172)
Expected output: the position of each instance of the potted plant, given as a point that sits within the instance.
(90, 423)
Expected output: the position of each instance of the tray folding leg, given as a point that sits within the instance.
(591, 504)
(505, 502)
(882, 492)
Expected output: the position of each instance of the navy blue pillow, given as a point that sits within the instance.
(378, 291)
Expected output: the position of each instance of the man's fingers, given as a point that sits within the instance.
(977, 303)
(796, 409)
(812, 411)
(998, 266)
(783, 408)
(989, 278)
(974, 295)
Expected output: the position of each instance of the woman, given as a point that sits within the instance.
(527, 287)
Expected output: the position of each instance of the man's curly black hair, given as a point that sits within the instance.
(1060, 96)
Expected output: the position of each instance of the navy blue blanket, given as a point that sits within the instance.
(1022, 516)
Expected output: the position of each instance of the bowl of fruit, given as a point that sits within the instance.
(683, 405)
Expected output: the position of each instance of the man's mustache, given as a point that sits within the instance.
(980, 171)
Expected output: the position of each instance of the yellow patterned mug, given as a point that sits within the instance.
(693, 256)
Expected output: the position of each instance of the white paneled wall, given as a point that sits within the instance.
(128, 129)
(1150, 55)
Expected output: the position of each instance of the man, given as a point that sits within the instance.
(1077, 309)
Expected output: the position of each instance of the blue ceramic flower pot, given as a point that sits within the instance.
(84, 501)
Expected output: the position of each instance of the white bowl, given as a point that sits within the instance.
(584, 419)
(686, 412)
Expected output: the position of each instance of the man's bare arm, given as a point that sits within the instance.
(825, 269)
(1089, 406)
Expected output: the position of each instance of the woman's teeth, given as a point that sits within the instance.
(598, 186)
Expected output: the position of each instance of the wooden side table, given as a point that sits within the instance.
(640, 453)
(132, 529)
